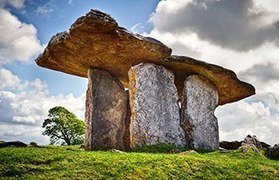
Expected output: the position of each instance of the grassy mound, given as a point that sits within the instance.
(53, 162)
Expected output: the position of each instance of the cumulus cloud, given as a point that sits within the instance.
(18, 40)
(237, 24)
(22, 133)
(28, 108)
(242, 118)
(8, 80)
(261, 73)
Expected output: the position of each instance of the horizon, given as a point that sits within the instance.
(242, 35)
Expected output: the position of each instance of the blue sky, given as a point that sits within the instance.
(242, 35)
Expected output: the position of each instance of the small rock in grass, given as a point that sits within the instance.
(252, 140)
(176, 150)
(188, 152)
(117, 151)
(249, 149)
(223, 150)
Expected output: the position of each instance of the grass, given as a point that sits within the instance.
(54, 162)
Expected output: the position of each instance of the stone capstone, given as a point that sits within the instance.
(96, 40)
(106, 109)
(154, 106)
(199, 101)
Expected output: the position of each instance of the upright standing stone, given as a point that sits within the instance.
(199, 101)
(154, 106)
(106, 109)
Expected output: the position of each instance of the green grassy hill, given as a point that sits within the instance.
(53, 162)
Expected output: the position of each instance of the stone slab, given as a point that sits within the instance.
(199, 100)
(106, 109)
(154, 106)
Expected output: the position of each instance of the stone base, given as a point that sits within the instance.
(106, 109)
(199, 100)
(154, 106)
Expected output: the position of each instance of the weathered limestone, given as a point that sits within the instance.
(199, 101)
(154, 106)
(106, 109)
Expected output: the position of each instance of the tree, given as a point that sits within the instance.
(63, 127)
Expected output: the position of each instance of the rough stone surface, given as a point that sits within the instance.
(106, 109)
(252, 140)
(96, 40)
(154, 106)
(249, 148)
(199, 101)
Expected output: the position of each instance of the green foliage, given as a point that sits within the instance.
(60, 162)
(63, 127)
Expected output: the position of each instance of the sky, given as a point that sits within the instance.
(241, 35)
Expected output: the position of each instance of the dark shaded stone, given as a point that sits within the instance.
(106, 109)
(33, 144)
(127, 135)
(265, 145)
(13, 144)
(273, 152)
(233, 145)
(199, 101)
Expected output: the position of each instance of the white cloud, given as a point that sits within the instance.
(242, 118)
(8, 80)
(22, 133)
(14, 3)
(237, 25)
(70, 1)
(270, 5)
(46, 9)
(27, 109)
(18, 40)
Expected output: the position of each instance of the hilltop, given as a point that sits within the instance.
(50, 162)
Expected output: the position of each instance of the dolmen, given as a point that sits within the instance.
(138, 93)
